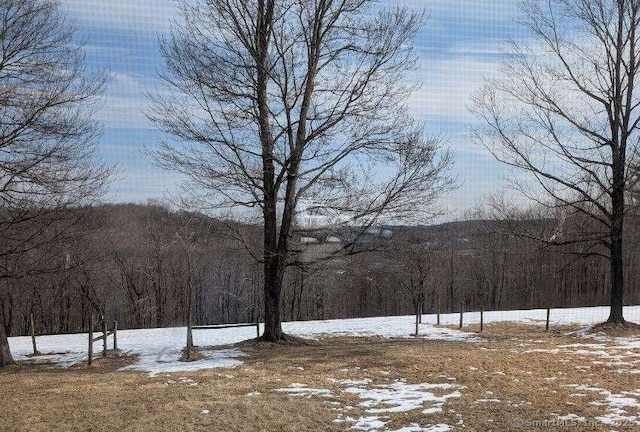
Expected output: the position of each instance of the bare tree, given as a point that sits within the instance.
(47, 138)
(414, 268)
(567, 113)
(279, 101)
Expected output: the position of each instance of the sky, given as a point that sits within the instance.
(458, 48)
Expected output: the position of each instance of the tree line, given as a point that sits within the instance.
(131, 264)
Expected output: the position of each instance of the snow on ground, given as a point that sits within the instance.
(167, 361)
(621, 355)
(160, 349)
(389, 327)
(400, 396)
(618, 405)
(297, 389)
(380, 401)
(584, 316)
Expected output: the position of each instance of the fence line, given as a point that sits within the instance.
(104, 337)
(547, 310)
(190, 329)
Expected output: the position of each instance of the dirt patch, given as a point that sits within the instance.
(288, 341)
(618, 330)
(193, 354)
(111, 363)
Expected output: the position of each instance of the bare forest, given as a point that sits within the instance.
(132, 265)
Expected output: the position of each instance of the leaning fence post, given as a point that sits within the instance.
(90, 356)
(481, 319)
(115, 335)
(33, 336)
(461, 312)
(548, 316)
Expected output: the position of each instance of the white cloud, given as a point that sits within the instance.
(447, 87)
(448, 80)
(124, 102)
(139, 15)
(144, 183)
(487, 11)
(124, 112)
(155, 15)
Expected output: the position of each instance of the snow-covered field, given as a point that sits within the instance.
(160, 349)
(377, 403)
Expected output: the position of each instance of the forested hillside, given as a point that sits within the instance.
(134, 264)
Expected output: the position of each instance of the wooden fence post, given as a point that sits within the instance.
(461, 312)
(104, 337)
(481, 319)
(115, 335)
(438, 316)
(548, 316)
(33, 336)
(257, 327)
(90, 356)
(189, 339)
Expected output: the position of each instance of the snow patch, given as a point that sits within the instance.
(416, 428)
(401, 397)
(167, 361)
(618, 405)
(297, 389)
(367, 423)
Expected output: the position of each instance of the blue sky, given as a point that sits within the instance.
(458, 47)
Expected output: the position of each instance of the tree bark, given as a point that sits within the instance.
(273, 279)
(617, 226)
(617, 276)
(5, 351)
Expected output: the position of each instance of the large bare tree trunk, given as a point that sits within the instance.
(617, 283)
(273, 279)
(616, 262)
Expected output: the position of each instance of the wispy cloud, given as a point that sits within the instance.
(124, 103)
(141, 185)
(148, 16)
(488, 12)
(447, 87)
(459, 46)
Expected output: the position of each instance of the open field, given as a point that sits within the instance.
(512, 375)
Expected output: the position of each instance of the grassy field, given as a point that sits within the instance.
(517, 375)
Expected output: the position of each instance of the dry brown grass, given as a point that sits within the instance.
(529, 385)
(626, 329)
